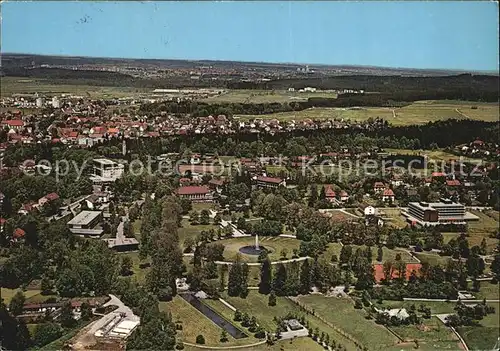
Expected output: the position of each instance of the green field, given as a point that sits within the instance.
(388, 254)
(394, 216)
(483, 228)
(485, 336)
(265, 96)
(19, 85)
(192, 231)
(341, 312)
(432, 334)
(195, 323)
(419, 112)
(256, 305)
(488, 291)
(299, 344)
(436, 307)
(34, 295)
(273, 244)
(432, 258)
(139, 273)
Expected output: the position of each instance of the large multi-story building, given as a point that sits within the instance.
(106, 170)
(269, 182)
(444, 212)
(85, 224)
(195, 193)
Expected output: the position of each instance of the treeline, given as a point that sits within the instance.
(466, 85)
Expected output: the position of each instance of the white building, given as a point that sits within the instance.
(39, 102)
(55, 102)
(106, 170)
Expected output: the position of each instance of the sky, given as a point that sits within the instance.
(439, 34)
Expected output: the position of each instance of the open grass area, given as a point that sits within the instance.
(7, 294)
(432, 258)
(195, 323)
(200, 206)
(432, 334)
(483, 228)
(139, 272)
(274, 244)
(20, 85)
(341, 312)
(417, 113)
(436, 307)
(488, 291)
(265, 96)
(394, 216)
(387, 254)
(299, 344)
(256, 305)
(192, 231)
(485, 336)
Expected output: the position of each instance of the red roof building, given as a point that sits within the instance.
(269, 182)
(454, 182)
(18, 233)
(195, 193)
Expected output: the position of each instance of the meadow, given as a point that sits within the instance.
(265, 96)
(484, 336)
(420, 112)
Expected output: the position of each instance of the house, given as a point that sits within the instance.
(18, 234)
(28, 208)
(269, 182)
(330, 194)
(13, 124)
(378, 187)
(369, 211)
(216, 185)
(195, 193)
(47, 199)
(453, 183)
(344, 196)
(388, 195)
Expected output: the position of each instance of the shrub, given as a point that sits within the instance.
(200, 339)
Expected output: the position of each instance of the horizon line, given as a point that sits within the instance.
(496, 72)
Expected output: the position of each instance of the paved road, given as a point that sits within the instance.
(258, 263)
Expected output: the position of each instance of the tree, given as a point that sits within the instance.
(217, 219)
(126, 266)
(46, 285)
(205, 217)
(46, 332)
(380, 254)
(223, 336)
(16, 303)
(265, 277)
(66, 317)
(272, 299)
(86, 311)
(305, 278)
(495, 266)
(279, 281)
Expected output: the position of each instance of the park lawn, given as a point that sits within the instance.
(200, 206)
(485, 336)
(341, 312)
(394, 216)
(332, 249)
(483, 228)
(428, 332)
(432, 258)
(298, 344)
(195, 323)
(255, 304)
(139, 272)
(136, 225)
(192, 231)
(488, 291)
(276, 170)
(7, 294)
(273, 244)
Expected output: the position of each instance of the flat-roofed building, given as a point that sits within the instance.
(106, 170)
(85, 223)
(443, 212)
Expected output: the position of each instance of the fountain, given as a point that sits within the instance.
(253, 249)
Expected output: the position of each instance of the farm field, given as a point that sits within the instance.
(256, 305)
(432, 334)
(20, 85)
(265, 96)
(195, 323)
(419, 112)
(274, 244)
(341, 312)
(485, 336)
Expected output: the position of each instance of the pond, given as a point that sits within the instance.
(214, 316)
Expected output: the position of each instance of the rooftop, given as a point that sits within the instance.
(84, 217)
